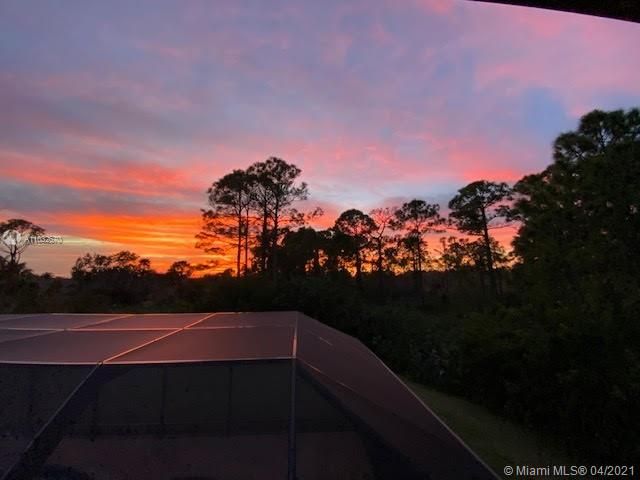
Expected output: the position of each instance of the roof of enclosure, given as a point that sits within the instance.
(343, 366)
(150, 338)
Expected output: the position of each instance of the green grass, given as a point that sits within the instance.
(497, 441)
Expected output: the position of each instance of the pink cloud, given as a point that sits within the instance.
(435, 6)
(144, 179)
(575, 54)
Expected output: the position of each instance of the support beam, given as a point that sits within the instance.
(628, 10)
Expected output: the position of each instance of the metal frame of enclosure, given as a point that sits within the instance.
(269, 395)
(627, 10)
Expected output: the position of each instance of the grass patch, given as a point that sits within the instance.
(497, 441)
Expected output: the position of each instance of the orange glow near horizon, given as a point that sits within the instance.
(166, 239)
(162, 239)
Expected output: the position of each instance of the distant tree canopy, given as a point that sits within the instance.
(355, 228)
(228, 220)
(126, 262)
(461, 253)
(575, 329)
(180, 270)
(417, 218)
(300, 252)
(275, 192)
(381, 238)
(580, 216)
(253, 210)
(120, 277)
(474, 209)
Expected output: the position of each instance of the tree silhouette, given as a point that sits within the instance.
(122, 277)
(300, 251)
(356, 227)
(14, 238)
(578, 282)
(257, 202)
(123, 262)
(457, 254)
(474, 209)
(274, 192)
(180, 270)
(227, 220)
(581, 214)
(380, 238)
(417, 218)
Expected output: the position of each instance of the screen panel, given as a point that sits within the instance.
(328, 444)
(333, 337)
(158, 399)
(8, 335)
(29, 396)
(160, 321)
(248, 319)
(217, 344)
(204, 421)
(197, 397)
(56, 321)
(394, 441)
(365, 374)
(131, 401)
(260, 397)
(75, 346)
(11, 316)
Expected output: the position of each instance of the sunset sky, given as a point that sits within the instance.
(116, 116)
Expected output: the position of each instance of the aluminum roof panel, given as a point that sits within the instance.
(220, 344)
(75, 346)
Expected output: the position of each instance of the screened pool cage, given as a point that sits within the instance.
(274, 395)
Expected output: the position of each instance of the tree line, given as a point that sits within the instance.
(252, 213)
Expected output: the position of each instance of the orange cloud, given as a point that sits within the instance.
(161, 238)
(124, 177)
